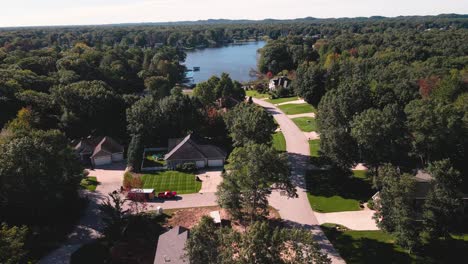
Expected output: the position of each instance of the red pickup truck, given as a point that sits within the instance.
(167, 195)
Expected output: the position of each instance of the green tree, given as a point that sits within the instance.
(159, 87)
(335, 113)
(37, 166)
(442, 210)
(436, 130)
(203, 244)
(274, 57)
(395, 213)
(115, 217)
(254, 171)
(249, 123)
(309, 83)
(12, 244)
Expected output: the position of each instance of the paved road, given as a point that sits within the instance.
(297, 211)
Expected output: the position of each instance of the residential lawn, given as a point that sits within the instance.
(177, 181)
(294, 109)
(90, 183)
(379, 247)
(256, 94)
(306, 124)
(365, 246)
(314, 146)
(336, 191)
(279, 143)
(282, 100)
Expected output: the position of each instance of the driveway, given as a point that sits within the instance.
(210, 180)
(297, 211)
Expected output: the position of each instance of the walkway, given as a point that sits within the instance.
(297, 211)
(302, 115)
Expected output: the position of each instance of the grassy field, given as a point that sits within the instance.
(279, 143)
(89, 183)
(314, 146)
(294, 109)
(180, 182)
(368, 247)
(335, 191)
(282, 100)
(306, 124)
(256, 94)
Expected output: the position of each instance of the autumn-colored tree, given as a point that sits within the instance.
(426, 85)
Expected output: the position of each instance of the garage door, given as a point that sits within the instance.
(104, 160)
(200, 163)
(117, 157)
(215, 163)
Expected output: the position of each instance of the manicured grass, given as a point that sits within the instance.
(90, 183)
(306, 124)
(180, 182)
(279, 143)
(379, 247)
(282, 100)
(294, 109)
(256, 94)
(366, 246)
(314, 146)
(154, 159)
(336, 191)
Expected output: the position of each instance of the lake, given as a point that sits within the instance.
(235, 59)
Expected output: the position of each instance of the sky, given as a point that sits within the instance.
(92, 12)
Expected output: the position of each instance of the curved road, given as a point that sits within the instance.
(297, 211)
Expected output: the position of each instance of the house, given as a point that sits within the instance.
(193, 150)
(98, 151)
(171, 247)
(423, 185)
(277, 82)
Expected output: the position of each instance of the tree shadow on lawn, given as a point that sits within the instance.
(333, 182)
(365, 250)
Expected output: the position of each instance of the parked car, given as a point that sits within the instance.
(167, 195)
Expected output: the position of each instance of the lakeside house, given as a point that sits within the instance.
(171, 246)
(281, 81)
(193, 150)
(98, 151)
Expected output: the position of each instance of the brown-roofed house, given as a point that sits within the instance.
(171, 247)
(98, 150)
(190, 149)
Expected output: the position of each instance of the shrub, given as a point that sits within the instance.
(186, 167)
(130, 181)
(370, 204)
(94, 252)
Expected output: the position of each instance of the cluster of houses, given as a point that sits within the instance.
(101, 151)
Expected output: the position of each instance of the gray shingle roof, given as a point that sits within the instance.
(171, 246)
(188, 148)
(98, 146)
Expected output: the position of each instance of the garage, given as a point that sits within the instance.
(215, 163)
(102, 160)
(117, 157)
(200, 163)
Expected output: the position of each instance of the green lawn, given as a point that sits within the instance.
(279, 143)
(256, 94)
(282, 100)
(90, 183)
(314, 146)
(294, 109)
(180, 182)
(335, 191)
(368, 247)
(306, 124)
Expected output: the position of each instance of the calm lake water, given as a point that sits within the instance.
(235, 59)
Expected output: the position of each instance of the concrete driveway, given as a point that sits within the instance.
(297, 211)
(210, 180)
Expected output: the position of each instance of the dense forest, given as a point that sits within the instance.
(389, 92)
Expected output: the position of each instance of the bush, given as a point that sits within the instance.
(131, 181)
(371, 204)
(187, 167)
(281, 92)
(95, 252)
